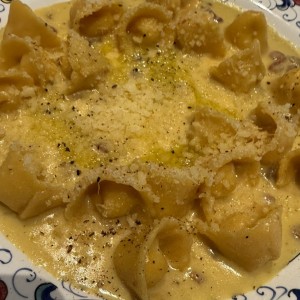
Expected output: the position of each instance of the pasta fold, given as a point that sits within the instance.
(168, 192)
(114, 200)
(85, 66)
(280, 127)
(219, 139)
(95, 18)
(197, 31)
(250, 246)
(288, 168)
(238, 72)
(286, 89)
(14, 84)
(247, 27)
(144, 256)
(20, 187)
(23, 22)
(176, 5)
(146, 25)
(28, 58)
(245, 223)
(30, 48)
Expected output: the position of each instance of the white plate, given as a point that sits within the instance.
(20, 279)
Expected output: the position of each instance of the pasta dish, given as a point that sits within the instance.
(149, 149)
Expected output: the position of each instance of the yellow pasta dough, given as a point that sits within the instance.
(149, 149)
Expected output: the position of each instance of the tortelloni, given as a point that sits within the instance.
(280, 127)
(144, 256)
(164, 193)
(246, 28)
(173, 5)
(82, 73)
(169, 193)
(35, 61)
(225, 181)
(147, 25)
(198, 31)
(286, 89)
(244, 220)
(238, 72)
(249, 245)
(22, 189)
(12, 83)
(31, 26)
(95, 19)
(176, 5)
(288, 170)
(238, 188)
(115, 200)
(219, 138)
(29, 50)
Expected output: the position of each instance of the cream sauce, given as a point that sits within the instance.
(80, 249)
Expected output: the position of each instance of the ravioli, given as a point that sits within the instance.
(150, 146)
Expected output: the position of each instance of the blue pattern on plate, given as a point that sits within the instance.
(68, 287)
(289, 10)
(21, 280)
(43, 291)
(26, 274)
(270, 293)
(5, 256)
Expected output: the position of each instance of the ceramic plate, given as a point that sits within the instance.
(20, 279)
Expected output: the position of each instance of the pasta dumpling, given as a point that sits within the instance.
(245, 223)
(15, 83)
(280, 128)
(286, 88)
(246, 28)
(197, 31)
(41, 67)
(29, 48)
(223, 138)
(225, 181)
(249, 245)
(172, 5)
(169, 193)
(238, 72)
(114, 200)
(147, 25)
(176, 5)
(144, 256)
(31, 26)
(25, 56)
(82, 72)
(21, 189)
(13, 48)
(208, 128)
(288, 169)
(95, 18)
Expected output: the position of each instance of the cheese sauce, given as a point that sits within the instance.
(79, 249)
